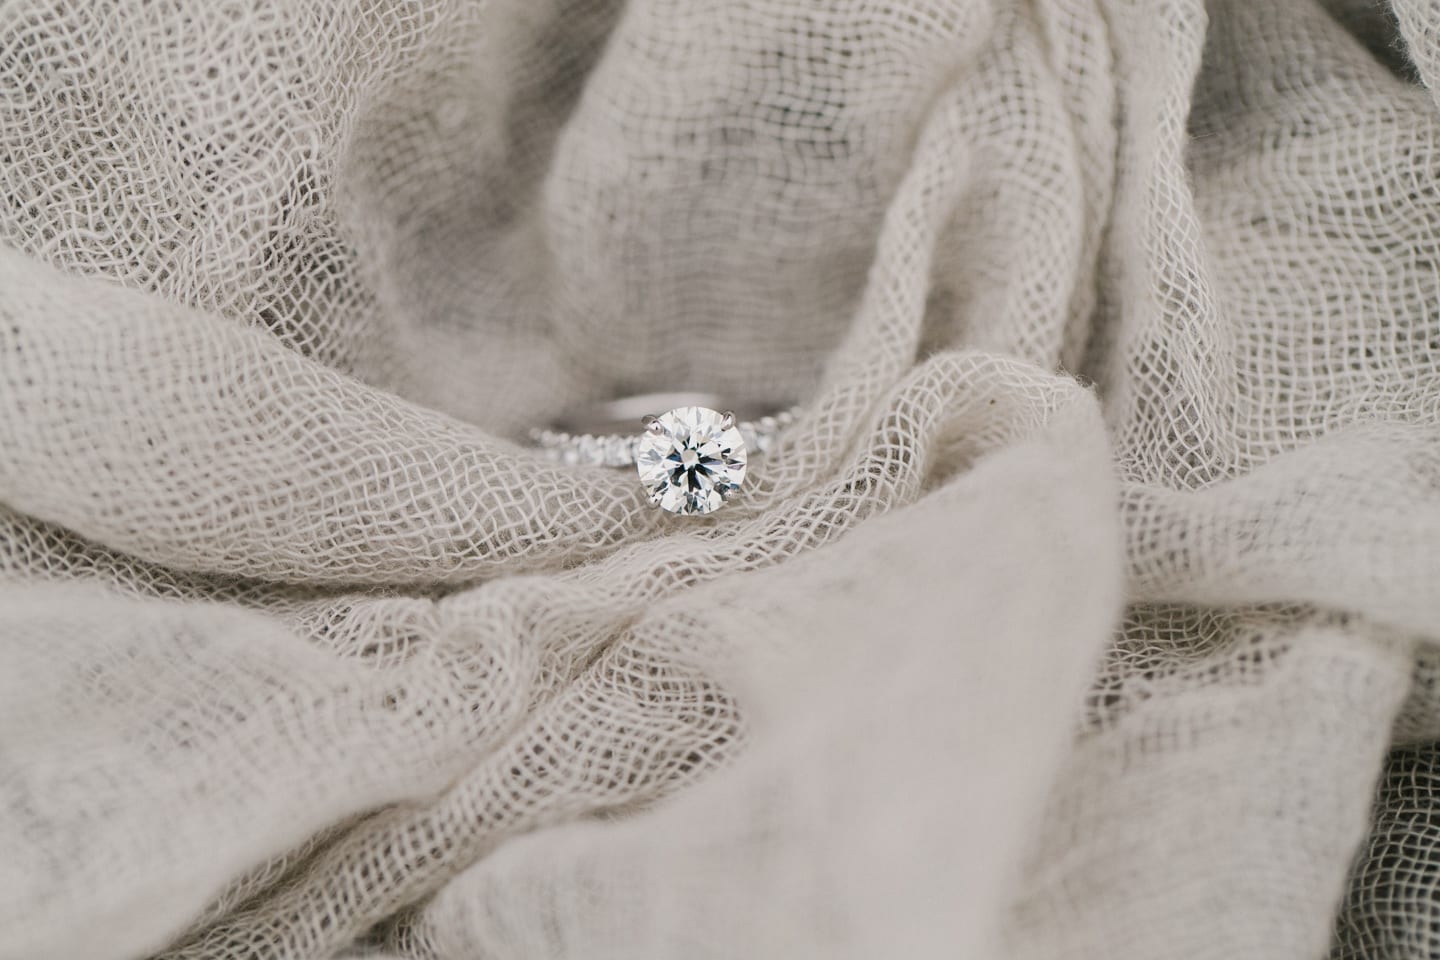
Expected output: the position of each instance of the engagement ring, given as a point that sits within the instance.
(690, 451)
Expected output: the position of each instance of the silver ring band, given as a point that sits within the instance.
(607, 433)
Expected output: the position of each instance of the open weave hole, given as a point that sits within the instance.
(1077, 614)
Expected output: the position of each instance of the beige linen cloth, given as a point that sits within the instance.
(1088, 610)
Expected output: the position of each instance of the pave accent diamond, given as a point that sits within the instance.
(691, 460)
(618, 450)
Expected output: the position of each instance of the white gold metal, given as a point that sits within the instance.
(606, 436)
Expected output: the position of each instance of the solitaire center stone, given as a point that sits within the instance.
(690, 460)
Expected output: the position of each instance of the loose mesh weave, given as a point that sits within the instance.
(1089, 609)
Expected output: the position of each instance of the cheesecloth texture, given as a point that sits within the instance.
(1089, 609)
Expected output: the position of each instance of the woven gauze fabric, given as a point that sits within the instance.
(1089, 608)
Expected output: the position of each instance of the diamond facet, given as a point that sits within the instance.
(690, 461)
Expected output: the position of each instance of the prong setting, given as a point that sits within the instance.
(694, 462)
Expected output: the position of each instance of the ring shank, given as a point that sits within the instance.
(623, 415)
(607, 434)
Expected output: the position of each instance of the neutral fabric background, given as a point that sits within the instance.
(1089, 609)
